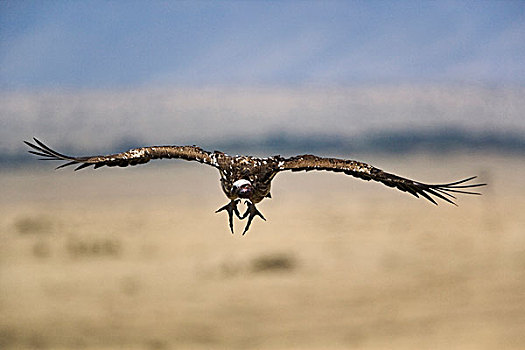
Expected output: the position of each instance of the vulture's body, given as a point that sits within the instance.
(249, 178)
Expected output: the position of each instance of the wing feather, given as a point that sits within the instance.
(367, 172)
(132, 157)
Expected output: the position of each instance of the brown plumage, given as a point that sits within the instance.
(249, 178)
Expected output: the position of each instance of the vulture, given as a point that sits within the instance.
(249, 178)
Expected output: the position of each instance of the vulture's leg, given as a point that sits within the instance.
(251, 212)
(231, 208)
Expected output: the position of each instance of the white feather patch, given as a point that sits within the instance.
(241, 182)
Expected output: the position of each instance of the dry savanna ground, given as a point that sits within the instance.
(136, 259)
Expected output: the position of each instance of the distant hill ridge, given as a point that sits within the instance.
(410, 141)
(399, 142)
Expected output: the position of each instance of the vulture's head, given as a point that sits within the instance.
(242, 188)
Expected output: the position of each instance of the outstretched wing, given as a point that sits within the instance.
(367, 172)
(132, 157)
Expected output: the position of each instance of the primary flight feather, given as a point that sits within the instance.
(249, 178)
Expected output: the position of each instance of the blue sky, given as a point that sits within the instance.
(120, 44)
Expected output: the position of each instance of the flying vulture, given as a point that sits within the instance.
(249, 178)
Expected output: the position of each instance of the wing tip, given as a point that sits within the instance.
(40, 149)
(442, 190)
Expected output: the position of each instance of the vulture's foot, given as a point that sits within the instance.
(251, 212)
(231, 208)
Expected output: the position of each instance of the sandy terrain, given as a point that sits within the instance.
(137, 259)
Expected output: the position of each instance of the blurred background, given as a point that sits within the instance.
(135, 258)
